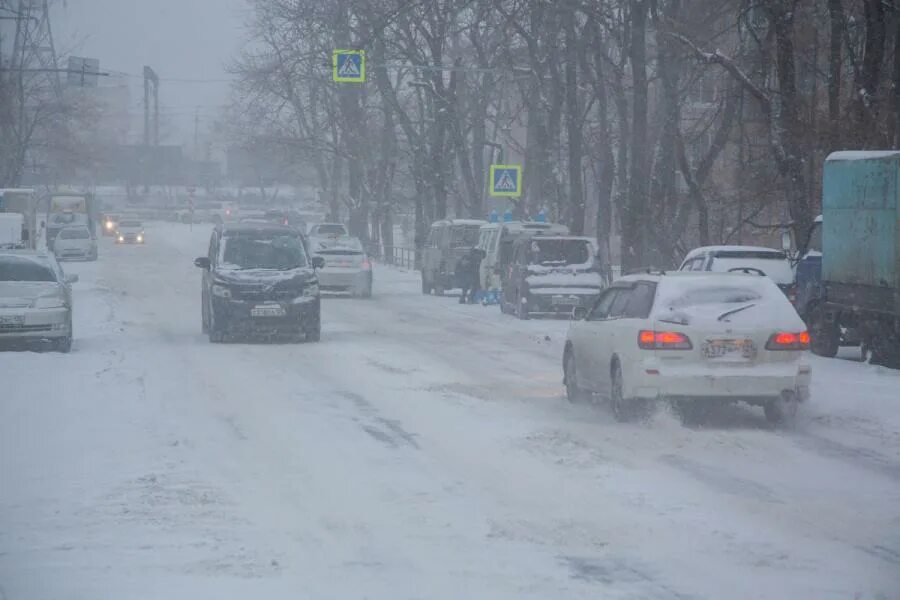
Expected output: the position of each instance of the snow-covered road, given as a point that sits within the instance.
(423, 449)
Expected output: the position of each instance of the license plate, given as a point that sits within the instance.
(564, 301)
(267, 310)
(744, 349)
(12, 320)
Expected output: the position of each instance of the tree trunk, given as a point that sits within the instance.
(867, 87)
(633, 231)
(835, 66)
(573, 123)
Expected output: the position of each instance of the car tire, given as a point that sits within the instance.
(779, 411)
(617, 401)
(522, 309)
(216, 336)
(204, 327)
(825, 337)
(366, 291)
(63, 345)
(690, 411)
(438, 289)
(313, 332)
(574, 393)
(426, 286)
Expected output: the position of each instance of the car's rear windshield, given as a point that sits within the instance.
(331, 229)
(260, 251)
(550, 253)
(770, 254)
(20, 268)
(348, 247)
(129, 224)
(74, 234)
(464, 236)
(713, 294)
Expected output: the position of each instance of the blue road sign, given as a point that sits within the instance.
(506, 180)
(349, 66)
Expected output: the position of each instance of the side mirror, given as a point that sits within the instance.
(579, 313)
(202, 262)
(318, 262)
(71, 278)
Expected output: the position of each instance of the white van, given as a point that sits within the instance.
(496, 240)
(11, 227)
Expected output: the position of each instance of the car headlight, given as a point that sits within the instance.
(50, 302)
(221, 291)
(109, 225)
(311, 290)
(140, 238)
(121, 238)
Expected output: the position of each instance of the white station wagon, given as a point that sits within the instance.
(693, 339)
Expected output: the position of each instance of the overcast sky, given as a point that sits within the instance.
(182, 39)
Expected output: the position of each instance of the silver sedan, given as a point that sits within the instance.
(35, 299)
(347, 268)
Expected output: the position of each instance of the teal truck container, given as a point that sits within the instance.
(861, 253)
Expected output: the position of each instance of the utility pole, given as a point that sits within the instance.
(151, 80)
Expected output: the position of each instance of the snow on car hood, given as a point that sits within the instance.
(575, 275)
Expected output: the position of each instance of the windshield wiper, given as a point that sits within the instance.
(733, 311)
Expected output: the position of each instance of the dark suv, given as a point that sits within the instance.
(259, 279)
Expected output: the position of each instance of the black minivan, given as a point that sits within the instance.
(258, 279)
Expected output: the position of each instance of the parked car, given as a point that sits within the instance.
(694, 339)
(754, 260)
(496, 240)
(259, 279)
(347, 268)
(130, 232)
(447, 242)
(35, 299)
(551, 275)
(328, 230)
(75, 242)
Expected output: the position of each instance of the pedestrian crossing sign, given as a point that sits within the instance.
(349, 66)
(506, 180)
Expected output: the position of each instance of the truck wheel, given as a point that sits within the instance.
(825, 337)
(886, 354)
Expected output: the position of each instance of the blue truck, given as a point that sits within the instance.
(848, 282)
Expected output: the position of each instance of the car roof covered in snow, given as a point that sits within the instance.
(714, 249)
(246, 227)
(473, 222)
(861, 155)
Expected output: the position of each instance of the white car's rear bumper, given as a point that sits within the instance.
(336, 278)
(654, 378)
(34, 324)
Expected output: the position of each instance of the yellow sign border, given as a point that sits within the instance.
(515, 194)
(362, 66)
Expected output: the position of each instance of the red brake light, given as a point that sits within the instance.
(787, 340)
(663, 340)
(366, 264)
